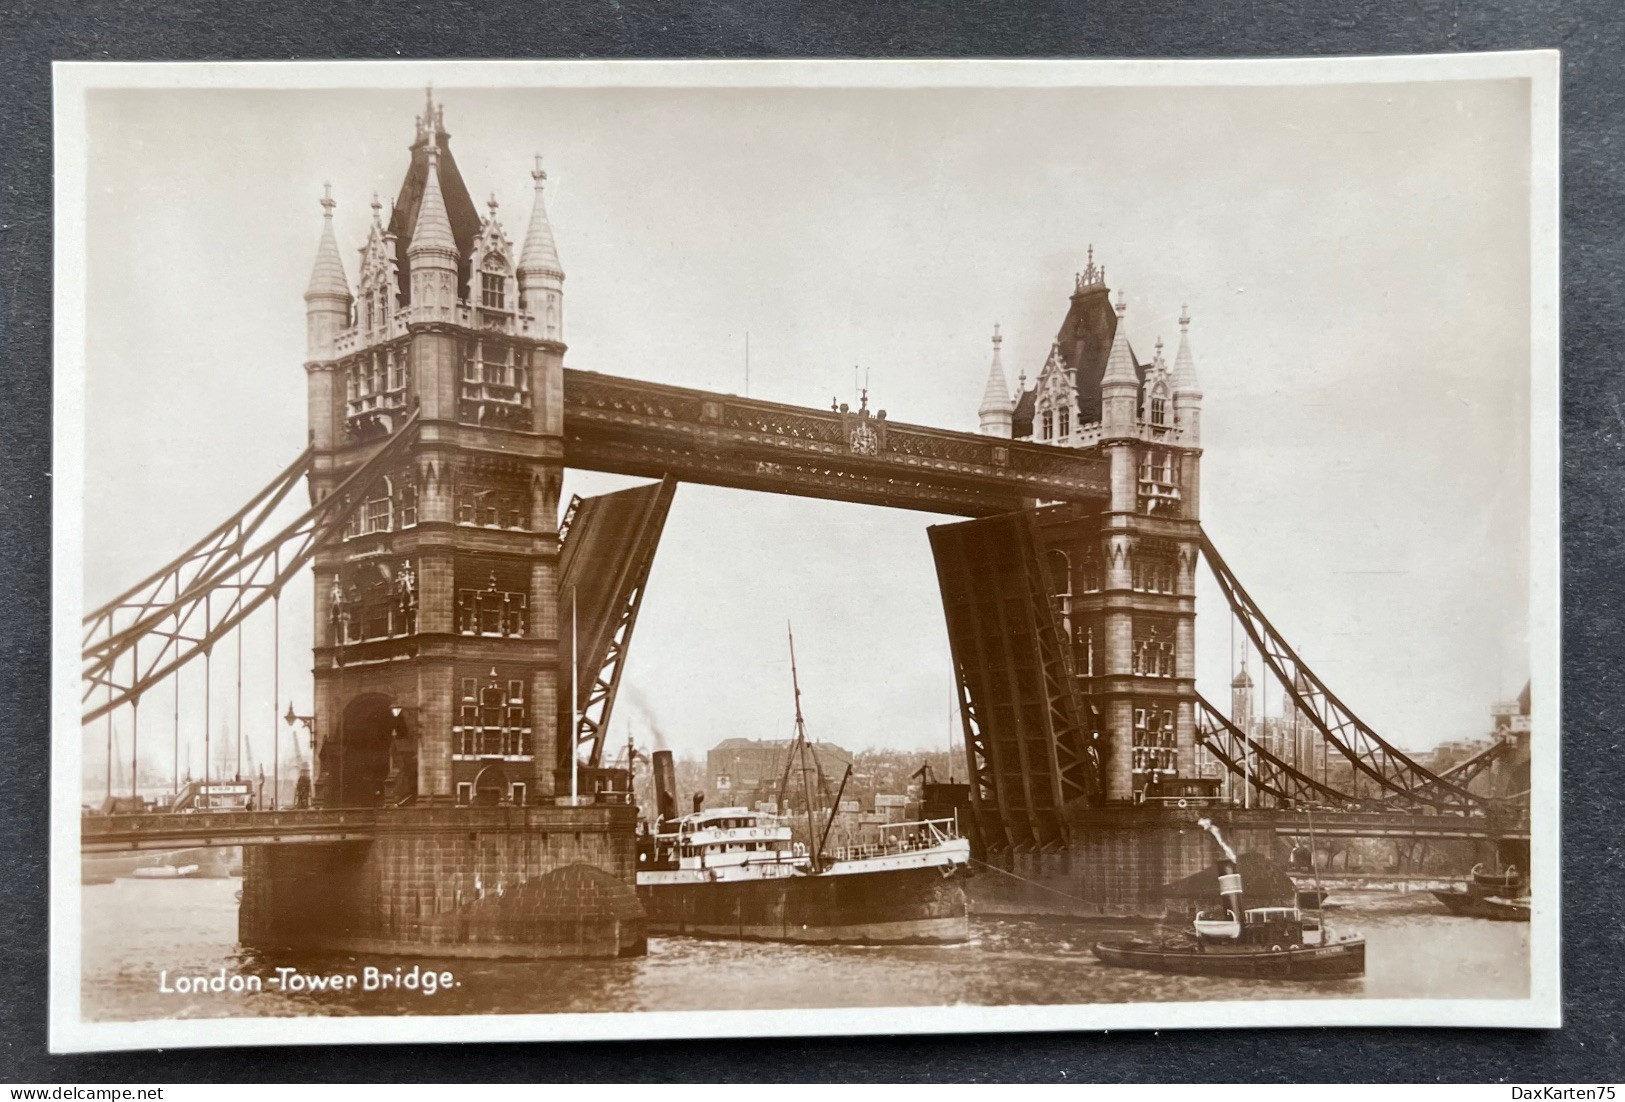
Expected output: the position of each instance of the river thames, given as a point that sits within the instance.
(141, 936)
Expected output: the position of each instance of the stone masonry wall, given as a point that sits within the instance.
(538, 882)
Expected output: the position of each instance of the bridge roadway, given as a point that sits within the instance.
(190, 830)
(202, 829)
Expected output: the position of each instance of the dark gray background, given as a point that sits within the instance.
(1587, 1049)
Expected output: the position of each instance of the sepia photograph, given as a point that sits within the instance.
(611, 550)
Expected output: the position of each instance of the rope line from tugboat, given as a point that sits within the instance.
(1028, 880)
(1064, 895)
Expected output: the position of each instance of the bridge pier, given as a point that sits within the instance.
(1117, 863)
(454, 882)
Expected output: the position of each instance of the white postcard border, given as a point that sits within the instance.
(72, 80)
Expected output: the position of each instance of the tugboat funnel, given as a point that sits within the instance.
(1230, 886)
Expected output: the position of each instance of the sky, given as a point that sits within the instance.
(1355, 259)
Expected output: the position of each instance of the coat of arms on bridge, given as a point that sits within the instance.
(865, 431)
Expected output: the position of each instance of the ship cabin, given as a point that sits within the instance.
(726, 837)
(1271, 926)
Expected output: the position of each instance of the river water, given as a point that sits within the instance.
(143, 935)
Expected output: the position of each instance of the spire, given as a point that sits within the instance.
(996, 395)
(327, 277)
(540, 258)
(1091, 276)
(1120, 362)
(1184, 365)
(432, 234)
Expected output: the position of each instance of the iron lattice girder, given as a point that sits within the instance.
(1022, 717)
(207, 555)
(627, 426)
(1367, 751)
(607, 552)
(1268, 774)
(236, 581)
(1463, 773)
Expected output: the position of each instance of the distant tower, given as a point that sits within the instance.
(996, 409)
(1241, 701)
(437, 614)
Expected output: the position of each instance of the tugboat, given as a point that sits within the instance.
(1261, 943)
(733, 872)
(1502, 896)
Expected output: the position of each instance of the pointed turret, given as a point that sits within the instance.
(327, 298)
(541, 276)
(1184, 365)
(1187, 391)
(432, 256)
(997, 409)
(1120, 361)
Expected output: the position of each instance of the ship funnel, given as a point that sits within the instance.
(665, 786)
(1230, 887)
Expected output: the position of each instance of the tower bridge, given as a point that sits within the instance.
(454, 754)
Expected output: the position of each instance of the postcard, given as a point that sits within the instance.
(608, 550)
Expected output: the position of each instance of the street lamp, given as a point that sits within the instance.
(310, 727)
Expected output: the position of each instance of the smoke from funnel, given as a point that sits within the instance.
(1207, 825)
(646, 710)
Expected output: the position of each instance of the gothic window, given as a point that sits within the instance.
(1155, 566)
(406, 503)
(1153, 654)
(491, 291)
(371, 601)
(1156, 747)
(492, 507)
(492, 601)
(1066, 422)
(1159, 410)
(1159, 481)
(1089, 647)
(1048, 423)
(397, 371)
(493, 718)
(1060, 568)
(496, 384)
(1092, 570)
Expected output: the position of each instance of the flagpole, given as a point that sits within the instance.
(575, 719)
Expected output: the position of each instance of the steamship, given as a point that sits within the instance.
(732, 872)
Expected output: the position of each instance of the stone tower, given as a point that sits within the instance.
(436, 646)
(1126, 576)
(1241, 701)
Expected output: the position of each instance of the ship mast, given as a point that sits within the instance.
(801, 750)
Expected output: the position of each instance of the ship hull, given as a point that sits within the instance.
(1343, 958)
(924, 905)
(1474, 904)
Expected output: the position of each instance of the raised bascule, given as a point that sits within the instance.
(461, 798)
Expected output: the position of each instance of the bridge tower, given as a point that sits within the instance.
(1124, 576)
(437, 620)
